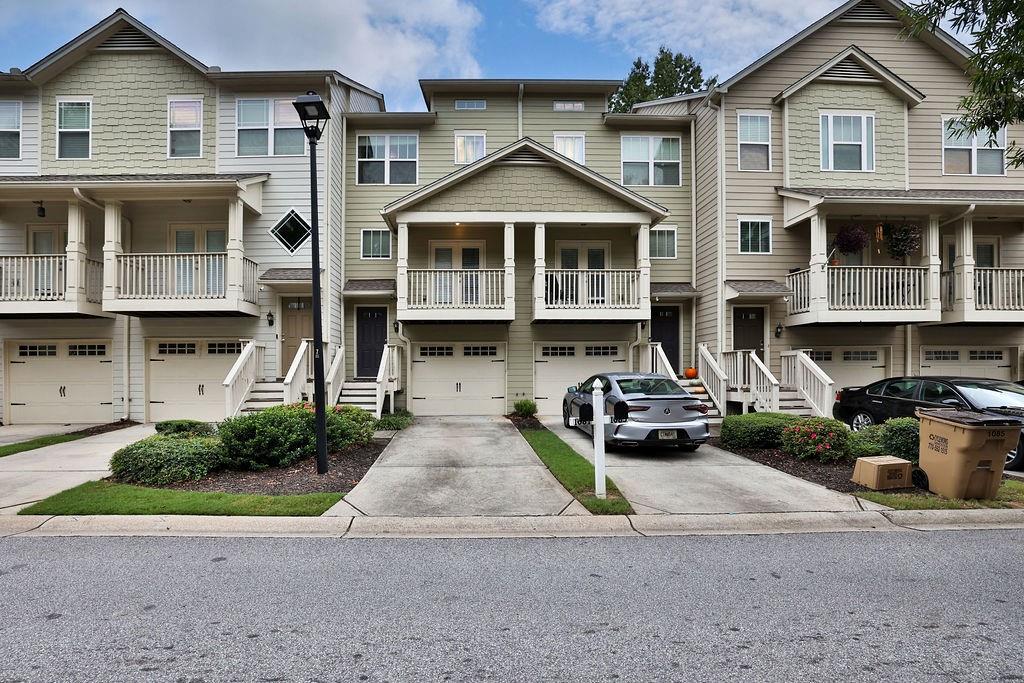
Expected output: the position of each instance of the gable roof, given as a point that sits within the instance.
(524, 151)
(853, 65)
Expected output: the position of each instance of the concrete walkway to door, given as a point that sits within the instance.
(459, 466)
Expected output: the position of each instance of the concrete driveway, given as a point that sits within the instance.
(668, 481)
(33, 475)
(460, 466)
(17, 433)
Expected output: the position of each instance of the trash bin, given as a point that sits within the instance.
(963, 452)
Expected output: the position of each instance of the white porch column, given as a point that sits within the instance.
(402, 284)
(931, 259)
(510, 267)
(963, 266)
(236, 221)
(112, 248)
(538, 267)
(817, 277)
(74, 270)
(643, 263)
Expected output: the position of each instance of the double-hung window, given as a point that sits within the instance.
(651, 160)
(269, 128)
(74, 128)
(847, 141)
(470, 145)
(754, 132)
(755, 234)
(184, 127)
(571, 145)
(376, 243)
(387, 159)
(663, 242)
(10, 129)
(980, 154)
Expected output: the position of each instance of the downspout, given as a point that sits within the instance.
(632, 346)
(127, 368)
(908, 343)
(519, 112)
(720, 280)
(82, 197)
(965, 214)
(693, 242)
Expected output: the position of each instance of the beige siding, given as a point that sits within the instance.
(667, 109)
(708, 278)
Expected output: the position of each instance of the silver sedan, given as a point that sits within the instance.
(659, 412)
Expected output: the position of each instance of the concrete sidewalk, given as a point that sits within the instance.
(33, 475)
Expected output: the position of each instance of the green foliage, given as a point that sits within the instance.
(900, 437)
(755, 430)
(673, 74)
(184, 428)
(866, 443)
(160, 460)
(396, 421)
(525, 408)
(347, 425)
(818, 438)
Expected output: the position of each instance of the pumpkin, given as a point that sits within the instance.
(690, 373)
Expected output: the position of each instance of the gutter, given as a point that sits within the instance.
(965, 214)
(82, 197)
(693, 241)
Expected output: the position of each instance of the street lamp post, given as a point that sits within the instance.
(314, 116)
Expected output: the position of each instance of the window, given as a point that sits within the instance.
(985, 354)
(470, 145)
(470, 105)
(269, 127)
(820, 356)
(376, 243)
(861, 355)
(755, 234)
(387, 159)
(754, 130)
(74, 128)
(87, 349)
(224, 348)
(651, 160)
(436, 351)
(37, 350)
(847, 142)
(184, 128)
(901, 388)
(978, 154)
(563, 105)
(176, 349)
(10, 129)
(557, 351)
(291, 232)
(663, 241)
(935, 392)
(480, 350)
(604, 350)
(938, 355)
(571, 145)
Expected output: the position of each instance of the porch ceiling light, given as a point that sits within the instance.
(312, 113)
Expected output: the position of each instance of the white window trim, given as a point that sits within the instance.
(740, 220)
(555, 103)
(581, 248)
(675, 241)
(864, 115)
(56, 113)
(974, 152)
(202, 113)
(387, 161)
(432, 246)
(650, 158)
(270, 128)
(20, 130)
(455, 147)
(363, 257)
(740, 143)
(456, 107)
(570, 134)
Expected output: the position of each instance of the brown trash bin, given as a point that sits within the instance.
(963, 452)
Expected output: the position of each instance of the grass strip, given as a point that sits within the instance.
(108, 498)
(38, 442)
(1010, 495)
(575, 473)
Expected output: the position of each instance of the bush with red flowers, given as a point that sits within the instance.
(817, 438)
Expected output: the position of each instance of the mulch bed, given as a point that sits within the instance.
(521, 422)
(103, 429)
(345, 468)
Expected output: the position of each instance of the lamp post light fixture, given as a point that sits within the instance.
(314, 117)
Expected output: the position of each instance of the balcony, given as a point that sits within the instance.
(860, 294)
(37, 286)
(997, 295)
(591, 294)
(446, 294)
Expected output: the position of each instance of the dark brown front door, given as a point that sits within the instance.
(665, 329)
(371, 336)
(748, 329)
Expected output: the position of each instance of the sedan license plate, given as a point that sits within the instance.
(666, 434)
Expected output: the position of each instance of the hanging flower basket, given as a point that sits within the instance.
(852, 239)
(903, 240)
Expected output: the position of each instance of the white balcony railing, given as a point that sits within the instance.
(437, 288)
(716, 382)
(864, 288)
(33, 278)
(999, 289)
(94, 281)
(592, 288)
(813, 383)
(181, 276)
(799, 283)
(243, 376)
(947, 287)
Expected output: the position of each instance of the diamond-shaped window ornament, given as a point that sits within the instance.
(291, 231)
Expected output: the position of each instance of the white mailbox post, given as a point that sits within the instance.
(600, 420)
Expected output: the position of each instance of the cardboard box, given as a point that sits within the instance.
(882, 472)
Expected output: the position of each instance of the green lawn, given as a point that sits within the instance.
(575, 473)
(38, 442)
(108, 498)
(1011, 495)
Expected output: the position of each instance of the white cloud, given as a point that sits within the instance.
(723, 36)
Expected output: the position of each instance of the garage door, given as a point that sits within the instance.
(450, 378)
(60, 382)
(974, 361)
(186, 378)
(853, 366)
(558, 365)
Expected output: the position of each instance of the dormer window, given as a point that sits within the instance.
(847, 141)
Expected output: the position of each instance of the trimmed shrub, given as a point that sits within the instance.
(276, 436)
(347, 425)
(184, 428)
(159, 460)
(396, 421)
(818, 438)
(901, 437)
(866, 443)
(754, 430)
(525, 408)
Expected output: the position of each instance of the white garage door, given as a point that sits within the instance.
(991, 362)
(852, 367)
(53, 382)
(186, 378)
(450, 378)
(558, 365)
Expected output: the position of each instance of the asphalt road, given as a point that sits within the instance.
(883, 606)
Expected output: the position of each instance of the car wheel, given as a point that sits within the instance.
(860, 420)
(565, 415)
(1015, 458)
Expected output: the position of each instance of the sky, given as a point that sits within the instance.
(390, 44)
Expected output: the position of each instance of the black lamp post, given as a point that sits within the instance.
(314, 116)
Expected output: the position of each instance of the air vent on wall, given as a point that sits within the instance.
(867, 12)
(849, 69)
(128, 38)
(523, 156)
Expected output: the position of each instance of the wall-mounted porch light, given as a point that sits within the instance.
(40, 209)
(778, 330)
(270, 318)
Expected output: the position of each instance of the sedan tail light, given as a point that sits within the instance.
(638, 409)
(839, 395)
(701, 408)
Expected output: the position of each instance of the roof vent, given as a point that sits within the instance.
(848, 69)
(128, 38)
(213, 69)
(868, 12)
(14, 70)
(523, 156)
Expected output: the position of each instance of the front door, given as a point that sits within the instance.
(665, 329)
(748, 329)
(371, 336)
(296, 325)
